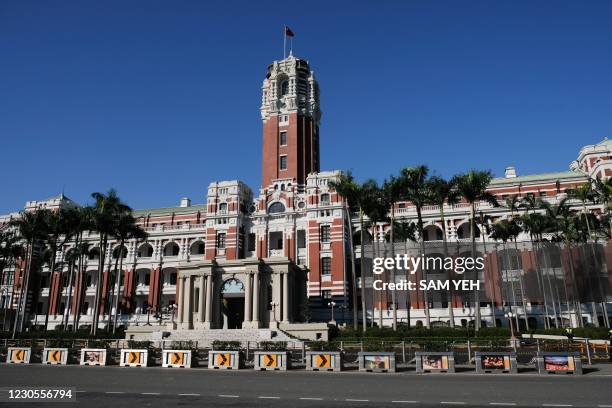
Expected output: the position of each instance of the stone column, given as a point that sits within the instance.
(209, 301)
(181, 301)
(256, 299)
(188, 318)
(285, 297)
(248, 299)
(201, 299)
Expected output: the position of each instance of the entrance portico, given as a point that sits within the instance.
(244, 293)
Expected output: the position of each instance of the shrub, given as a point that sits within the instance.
(323, 346)
(273, 345)
(226, 345)
(134, 344)
(377, 346)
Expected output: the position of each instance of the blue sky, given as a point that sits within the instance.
(159, 98)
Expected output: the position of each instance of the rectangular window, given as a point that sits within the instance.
(326, 294)
(221, 240)
(325, 233)
(252, 240)
(282, 138)
(326, 266)
(301, 239)
(283, 163)
(543, 193)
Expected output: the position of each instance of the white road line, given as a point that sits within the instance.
(267, 397)
(114, 392)
(356, 400)
(228, 396)
(503, 404)
(189, 395)
(311, 399)
(149, 393)
(452, 402)
(604, 406)
(406, 402)
(557, 405)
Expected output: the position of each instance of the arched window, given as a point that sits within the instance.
(276, 207)
(284, 87)
(171, 249)
(145, 251)
(325, 199)
(197, 248)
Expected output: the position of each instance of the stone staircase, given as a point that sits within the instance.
(205, 337)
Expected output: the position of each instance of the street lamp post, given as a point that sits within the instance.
(274, 305)
(332, 304)
(510, 316)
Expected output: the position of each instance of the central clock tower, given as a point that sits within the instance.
(291, 115)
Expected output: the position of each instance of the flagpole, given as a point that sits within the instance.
(284, 42)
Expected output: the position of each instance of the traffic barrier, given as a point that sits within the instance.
(376, 361)
(225, 360)
(549, 362)
(495, 362)
(324, 361)
(55, 356)
(176, 358)
(93, 357)
(272, 361)
(134, 358)
(18, 355)
(442, 362)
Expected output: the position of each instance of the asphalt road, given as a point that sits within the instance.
(114, 386)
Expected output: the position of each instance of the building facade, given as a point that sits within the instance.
(282, 255)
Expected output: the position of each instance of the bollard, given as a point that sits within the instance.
(588, 350)
(469, 346)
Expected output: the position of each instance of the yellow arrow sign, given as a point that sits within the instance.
(323, 361)
(223, 359)
(270, 360)
(176, 358)
(134, 357)
(55, 356)
(19, 355)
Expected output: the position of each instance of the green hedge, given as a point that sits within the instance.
(226, 345)
(459, 333)
(273, 345)
(63, 334)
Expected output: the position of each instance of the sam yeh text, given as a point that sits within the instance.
(458, 285)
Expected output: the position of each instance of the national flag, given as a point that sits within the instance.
(288, 32)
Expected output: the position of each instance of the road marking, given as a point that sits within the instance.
(452, 402)
(311, 398)
(557, 405)
(356, 400)
(507, 404)
(228, 396)
(406, 402)
(149, 393)
(604, 406)
(267, 397)
(114, 392)
(189, 395)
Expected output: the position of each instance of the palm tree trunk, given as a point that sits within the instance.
(451, 309)
(393, 300)
(576, 295)
(423, 267)
(362, 277)
(24, 290)
(492, 288)
(51, 273)
(522, 285)
(476, 291)
(101, 261)
(118, 287)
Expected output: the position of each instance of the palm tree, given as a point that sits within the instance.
(125, 229)
(31, 228)
(603, 194)
(348, 189)
(358, 197)
(500, 231)
(585, 193)
(514, 230)
(472, 186)
(392, 193)
(104, 217)
(415, 190)
(441, 192)
(484, 221)
(376, 210)
(10, 251)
